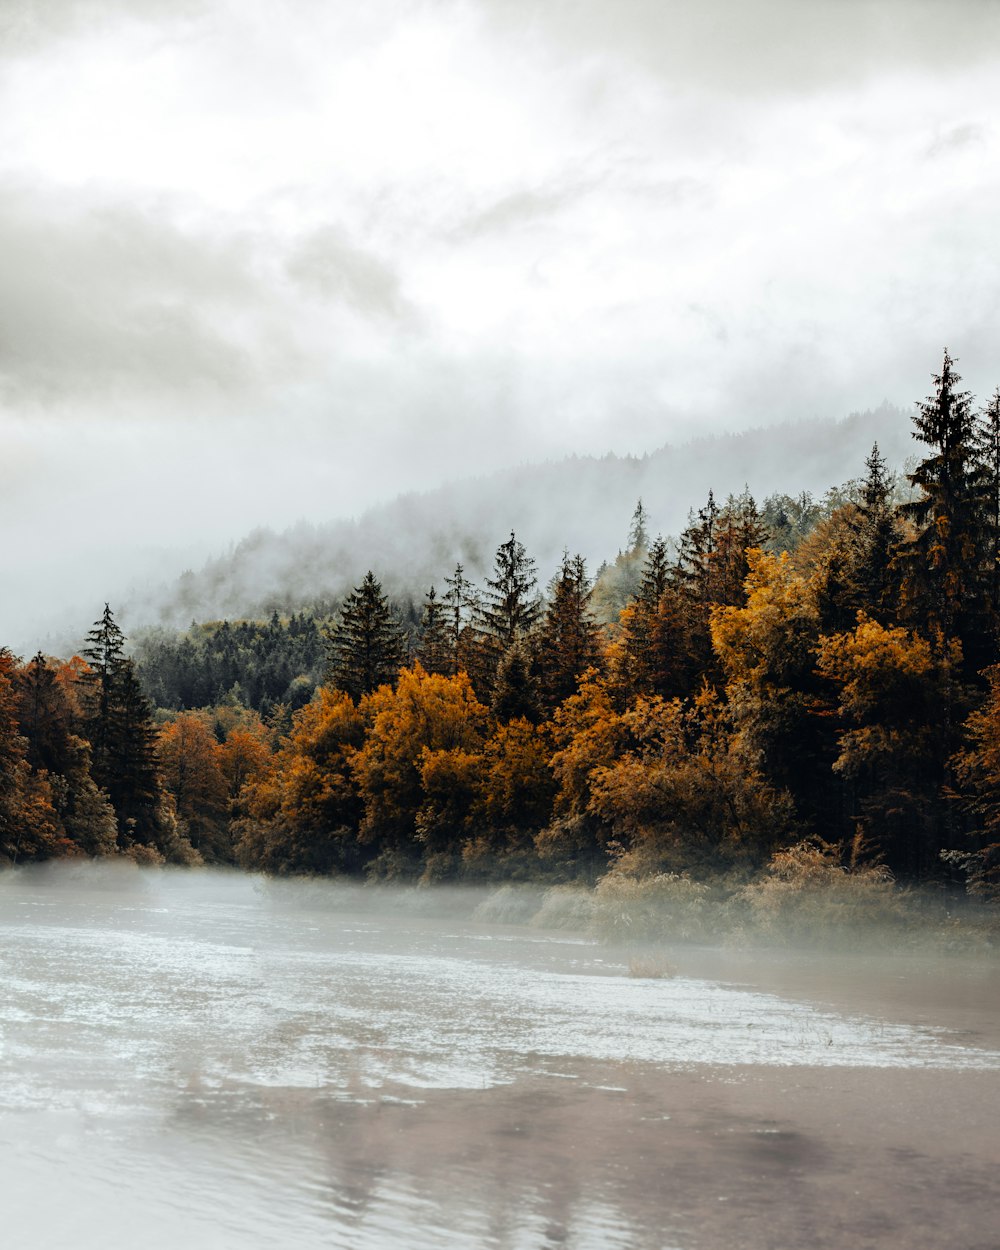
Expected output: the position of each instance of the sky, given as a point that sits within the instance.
(265, 260)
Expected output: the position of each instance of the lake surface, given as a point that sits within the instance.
(203, 1060)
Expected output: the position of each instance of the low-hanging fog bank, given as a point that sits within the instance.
(582, 503)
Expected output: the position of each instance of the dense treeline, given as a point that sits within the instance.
(778, 673)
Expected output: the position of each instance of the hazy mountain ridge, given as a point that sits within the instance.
(581, 503)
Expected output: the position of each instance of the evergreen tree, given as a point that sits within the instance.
(987, 443)
(638, 534)
(461, 606)
(119, 726)
(875, 538)
(515, 690)
(510, 606)
(366, 646)
(942, 569)
(739, 529)
(434, 648)
(569, 639)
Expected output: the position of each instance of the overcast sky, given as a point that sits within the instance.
(271, 259)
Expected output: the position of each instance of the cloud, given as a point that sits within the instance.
(520, 208)
(334, 267)
(101, 296)
(957, 139)
(27, 25)
(759, 47)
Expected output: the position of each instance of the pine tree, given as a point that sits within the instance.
(366, 645)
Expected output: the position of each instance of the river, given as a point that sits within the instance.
(203, 1060)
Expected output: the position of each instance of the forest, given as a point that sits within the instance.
(801, 685)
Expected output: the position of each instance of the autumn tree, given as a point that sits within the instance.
(190, 759)
(898, 697)
(301, 813)
(29, 825)
(780, 706)
(426, 712)
(587, 733)
(366, 645)
(688, 794)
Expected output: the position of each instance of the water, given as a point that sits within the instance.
(197, 1060)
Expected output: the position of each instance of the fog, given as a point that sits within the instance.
(268, 262)
(215, 1060)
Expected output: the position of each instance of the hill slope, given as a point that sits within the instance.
(581, 503)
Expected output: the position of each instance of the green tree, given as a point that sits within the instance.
(366, 645)
(435, 649)
(569, 638)
(943, 568)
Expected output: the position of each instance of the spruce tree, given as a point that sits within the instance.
(119, 726)
(987, 443)
(366, 644)
(942, 569)
(569, 638)
(510, 606)
(434, 648)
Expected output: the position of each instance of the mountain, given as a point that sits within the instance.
(582, 504)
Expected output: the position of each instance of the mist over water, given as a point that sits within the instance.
(207, 1059)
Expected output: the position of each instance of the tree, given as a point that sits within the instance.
(435, 649)
(515, 690)
(987, 443)
(119, 725)
(510, 606)
(616, 584)
(461, 606)
(190, 758)
(688, 792)
(896, 695)
(942, 569)
(569, 638)
(780, 707)
(366, 645)
(31, 827)
(426, 712)
(301, 814)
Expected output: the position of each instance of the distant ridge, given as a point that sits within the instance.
(582, 503)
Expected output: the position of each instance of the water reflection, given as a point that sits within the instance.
(200, 1063)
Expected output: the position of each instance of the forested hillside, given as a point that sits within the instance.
(794, 686)
(582, 503)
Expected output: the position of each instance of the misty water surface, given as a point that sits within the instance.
(204, 1060)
